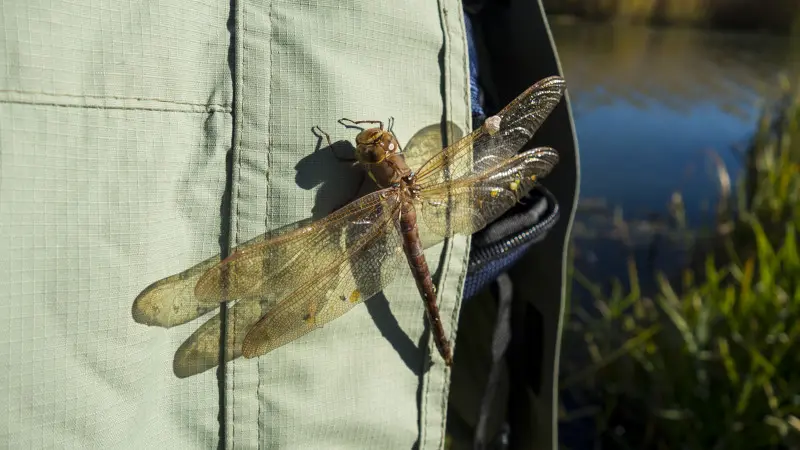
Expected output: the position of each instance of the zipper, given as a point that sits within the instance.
(481, 255)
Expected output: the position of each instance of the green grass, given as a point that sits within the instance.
(711, 361)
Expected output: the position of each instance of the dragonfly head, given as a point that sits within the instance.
(374, 145)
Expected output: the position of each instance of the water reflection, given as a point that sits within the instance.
(676, 68)
(649, 105)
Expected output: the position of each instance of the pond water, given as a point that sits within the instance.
(650, 105)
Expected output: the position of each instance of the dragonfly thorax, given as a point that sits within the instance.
(379, 151)
(409, 186)
(374, 145)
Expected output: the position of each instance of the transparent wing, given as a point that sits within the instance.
(427, 142)
(254, 327)
(171, 301)
(500, 138)
(279, 266)
(313, 275)
(372, 263)
(469, 204)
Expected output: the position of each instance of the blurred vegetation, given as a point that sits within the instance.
(780, 16)
(711, 360)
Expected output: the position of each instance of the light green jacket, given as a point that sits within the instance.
(138, 139)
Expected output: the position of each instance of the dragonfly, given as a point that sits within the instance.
(314, 273)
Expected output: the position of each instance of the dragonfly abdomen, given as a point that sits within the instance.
(412, 246)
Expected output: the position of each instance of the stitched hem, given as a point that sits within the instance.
(233, 221)
(440, 374)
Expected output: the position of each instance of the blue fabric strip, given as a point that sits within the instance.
(474, 87)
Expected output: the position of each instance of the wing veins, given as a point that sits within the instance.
(520, 119)
(305, 292)
(321, 224)
(314, 234)
(349, 254)
(548, 156)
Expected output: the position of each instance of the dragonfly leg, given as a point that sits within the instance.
(316, 129)
(358, 122)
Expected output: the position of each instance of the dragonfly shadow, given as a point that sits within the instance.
(386, 322)
(332, 169)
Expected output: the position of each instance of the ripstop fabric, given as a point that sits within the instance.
(138, 139)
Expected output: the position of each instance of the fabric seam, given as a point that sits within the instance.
(111, 97)
(236, 187)
(448, 100)
(459, 294)
(268, 171)
(448, 103)
(426, 379)
(205, 109)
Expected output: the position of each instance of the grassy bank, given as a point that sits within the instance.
(773, 15)
(712, 361)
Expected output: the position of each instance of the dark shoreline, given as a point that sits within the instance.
(779, 17)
